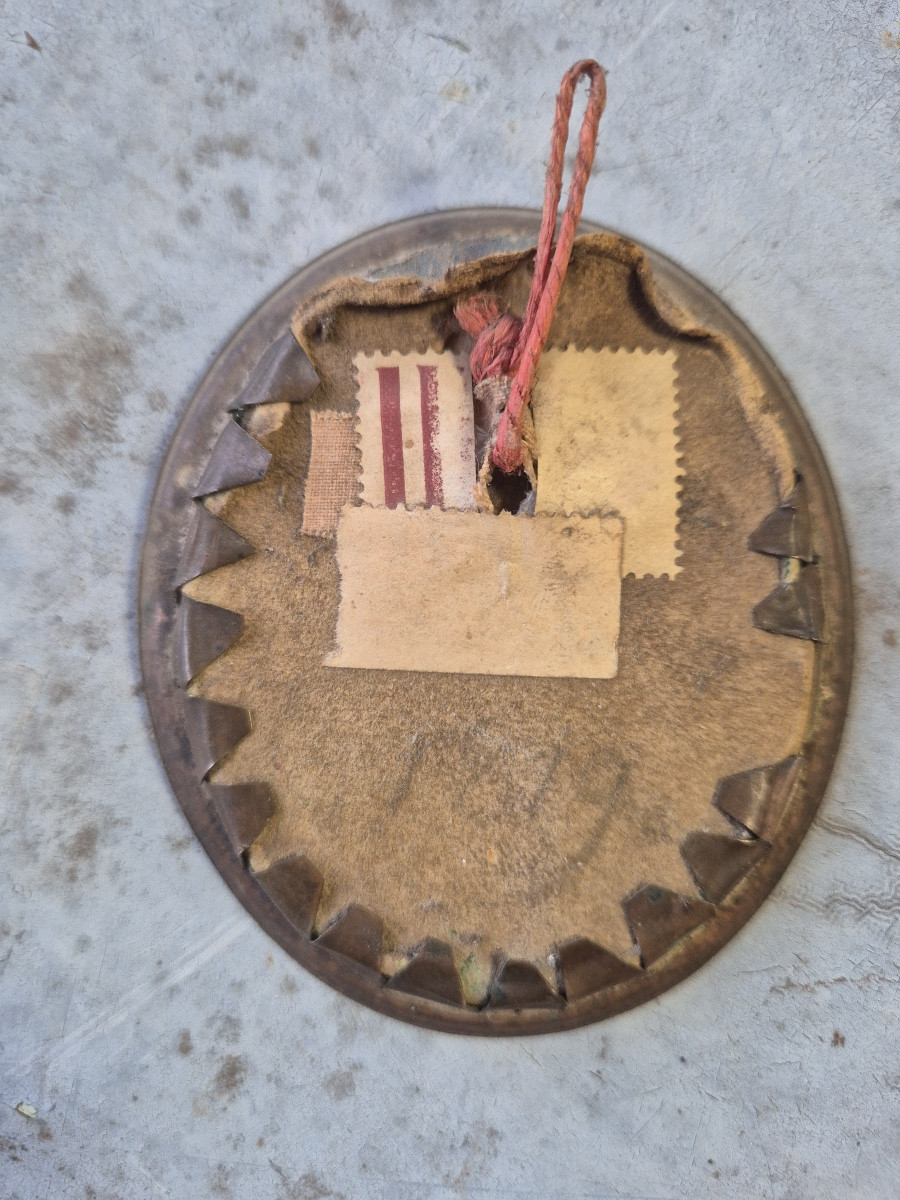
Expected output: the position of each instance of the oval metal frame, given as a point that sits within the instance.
(428, 245)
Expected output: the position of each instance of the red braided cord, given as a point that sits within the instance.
(505, 345)
(496, 335)
(508, 453)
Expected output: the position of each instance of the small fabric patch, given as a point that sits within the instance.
(416, 430)
(333, 471)
(605, 426)
(469, 592)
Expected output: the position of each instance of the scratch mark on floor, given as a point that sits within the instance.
(860, 836)
(187, 964)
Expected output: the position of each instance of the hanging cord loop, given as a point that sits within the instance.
(505, 345)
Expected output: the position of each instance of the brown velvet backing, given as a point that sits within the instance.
(510, 814)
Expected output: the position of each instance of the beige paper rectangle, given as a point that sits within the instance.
(469, 592)
(444, 453)
(605, 427)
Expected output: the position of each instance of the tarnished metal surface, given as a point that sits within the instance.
(674, 933)
(430, 974)
(236, 460)
(785, 533)
(794, 609)
(243, 809)
(356, 935)
(659, 919)
(295, 886)
(519, 986)
(586, 968)
(205, 631)
(719, 863)
(757, 799)
(212, 729)
(209, 543)
(284, 375)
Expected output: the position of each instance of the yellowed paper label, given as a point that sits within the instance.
(416, 430)
(425, 590)
(605, 427)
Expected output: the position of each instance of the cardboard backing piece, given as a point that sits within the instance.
(511, 813)
(474, 593)
(416, 429)
(605, 431)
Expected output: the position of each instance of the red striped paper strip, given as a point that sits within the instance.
(391, 436)
(416, 430)
(434, 484)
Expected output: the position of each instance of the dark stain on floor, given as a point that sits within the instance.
(229, 1077)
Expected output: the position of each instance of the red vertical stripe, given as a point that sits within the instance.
(391, 436)
(428, 390)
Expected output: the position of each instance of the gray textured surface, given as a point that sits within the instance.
(163, 167)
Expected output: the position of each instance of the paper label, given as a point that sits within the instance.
(605, 427)
(425, 590)
(416, 430)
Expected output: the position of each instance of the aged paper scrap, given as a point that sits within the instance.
(473, 593)
(416, 430)
(605, 427)
(333, 471)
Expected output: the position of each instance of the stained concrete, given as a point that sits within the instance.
(163, 168)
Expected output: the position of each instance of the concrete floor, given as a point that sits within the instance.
(163, 167)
